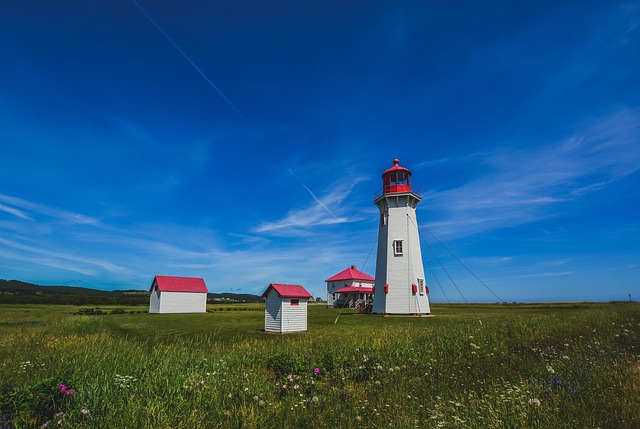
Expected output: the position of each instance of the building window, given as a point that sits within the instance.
(295, 302)
(421, 286)
(397, 247)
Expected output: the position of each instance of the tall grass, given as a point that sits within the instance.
(527, 366)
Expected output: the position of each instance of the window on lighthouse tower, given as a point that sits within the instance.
(397, 247)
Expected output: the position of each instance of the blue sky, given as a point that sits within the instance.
(243, 142)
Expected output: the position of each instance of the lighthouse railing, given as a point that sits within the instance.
(389, 189)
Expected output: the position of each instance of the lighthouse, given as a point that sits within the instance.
(400, 286)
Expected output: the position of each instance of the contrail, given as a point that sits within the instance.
(186, 57)
(314, 196)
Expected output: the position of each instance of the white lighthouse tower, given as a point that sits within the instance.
(400, 286)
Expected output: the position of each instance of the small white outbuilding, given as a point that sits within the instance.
(171, 294)
(286, 308)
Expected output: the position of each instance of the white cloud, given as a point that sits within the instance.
(326, 210)
(18, 207)
(525, 185)
(14, 211)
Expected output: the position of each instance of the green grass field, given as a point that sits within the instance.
(481, 366)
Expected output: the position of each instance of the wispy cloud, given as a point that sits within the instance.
(19, 207)
(61, 259)
(13, 211)
(524, 185)
(299, 221)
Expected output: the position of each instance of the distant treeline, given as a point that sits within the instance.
(18, 292)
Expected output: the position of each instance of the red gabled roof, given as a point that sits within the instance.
(356, 289)
(180, 284)
(350, 274)
(288, 291)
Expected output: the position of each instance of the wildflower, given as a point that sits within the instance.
(284, 386)
(316, 370)
(296, 387)
(358, 418)
(84, 411)
(63, 387)
(550, 369)
(535, 402)
(70, 392)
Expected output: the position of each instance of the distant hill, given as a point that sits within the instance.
(19, 292)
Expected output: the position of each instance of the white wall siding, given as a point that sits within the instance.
(280, 316)
(154, 301)
(334, 286)
(400, 272)
(273, 312)
(294, 317)
(183, 302)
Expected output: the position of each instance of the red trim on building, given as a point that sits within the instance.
(356, 289)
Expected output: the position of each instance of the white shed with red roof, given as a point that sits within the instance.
(286, 308)
(349, 288)
(171, 294)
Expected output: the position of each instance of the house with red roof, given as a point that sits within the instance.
(171, 294)
(286, 308)
(349, 288)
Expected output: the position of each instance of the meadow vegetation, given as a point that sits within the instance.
(522, 366)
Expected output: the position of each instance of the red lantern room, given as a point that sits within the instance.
(396, 179)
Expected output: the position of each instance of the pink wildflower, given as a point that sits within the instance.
(70, 392)
(317, 370)
(63, 387)
(84, 411)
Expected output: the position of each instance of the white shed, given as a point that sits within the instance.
(178, 295)
(286, 308)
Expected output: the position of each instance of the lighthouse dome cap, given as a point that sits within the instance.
(396, 167)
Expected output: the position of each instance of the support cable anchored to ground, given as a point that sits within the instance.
(439, 285)
(461, 263)
(367, 259)
(448, 275)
